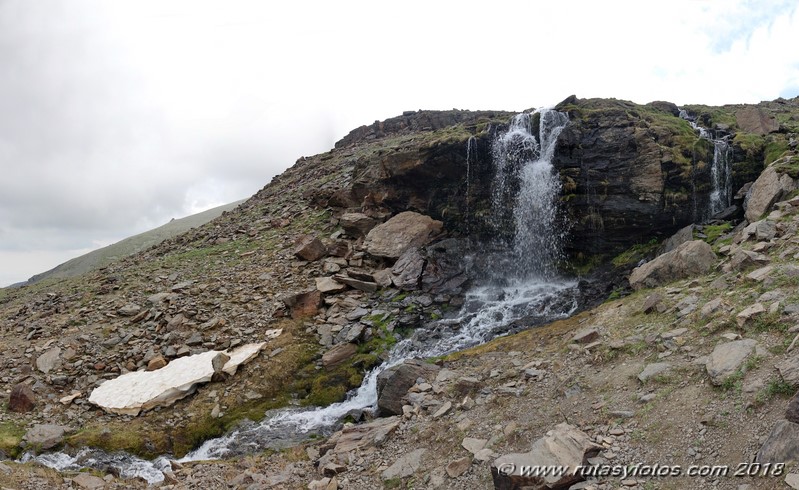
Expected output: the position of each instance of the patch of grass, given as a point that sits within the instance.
(10, 437)
(635, 253)
(713, 232)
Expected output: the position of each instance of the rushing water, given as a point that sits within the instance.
(524, 290)
(720, 170)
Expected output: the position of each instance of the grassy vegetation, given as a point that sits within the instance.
(635, 253)
(713, 232)
(10, 437)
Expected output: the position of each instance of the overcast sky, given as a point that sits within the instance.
(116, 116)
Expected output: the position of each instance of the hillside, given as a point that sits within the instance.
(381, 245)
(104, 256)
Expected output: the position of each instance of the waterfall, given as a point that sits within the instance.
(524, 291)
(720, 170)
(524, 162)
(721, 176)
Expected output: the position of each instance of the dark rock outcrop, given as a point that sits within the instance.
(393, 384)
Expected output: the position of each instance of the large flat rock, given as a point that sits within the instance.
(405, 230)
(133, 393)
(687, 260)
(565, 446)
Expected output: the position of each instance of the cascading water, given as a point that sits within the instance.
(720, 170)
(721, 175)
(524, 288)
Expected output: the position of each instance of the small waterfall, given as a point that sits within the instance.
(720, 170)
(721, 175)
(524, 291)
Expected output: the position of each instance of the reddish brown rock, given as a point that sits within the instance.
(338, 354)
(303, 304)
(310, 248)
(22, 399)
(156, 363)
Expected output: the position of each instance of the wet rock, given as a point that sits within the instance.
(405, 466)
(727, 358)
(310, 248)
(782, 445)
(687, 260)
(21, 399)
(769, 187)
(338, 354)
(565, 445)
(406, 229)
(393, 384)
(45, 436)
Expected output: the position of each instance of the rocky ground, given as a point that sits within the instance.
(694, 367)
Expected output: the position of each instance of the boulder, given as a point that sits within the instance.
(754, 120)
(459, 467)
(407, 271)
(684, 235)
(727, 358)
(304, 304)
(782, 445)
(309, 248)
(769, 187)
(652, 370)
(21, 399)
(789, 371)
(748, 313)
(49, 361)
(338, 354)
(393, 384)
(406, 229)
(405, 466)
(157, 363)
(361, 285)
(564, 446)
(133, 393)
(792, 410)
(687, 260)
(328, 285)
(88, 482)
(45, 436)
(130, 309)
(357, 224)
(363, 436)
